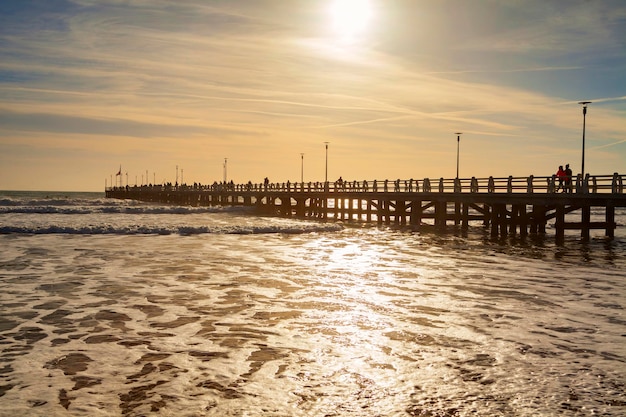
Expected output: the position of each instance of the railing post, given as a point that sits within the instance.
(579, 183)
(594, 185)
(582, 184)
(552, 184)
(426, 185)
(474, 185)
(457, 185)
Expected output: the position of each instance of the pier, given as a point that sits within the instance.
(506, 205)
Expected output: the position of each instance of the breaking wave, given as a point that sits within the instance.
(112, 209)
(170, 230)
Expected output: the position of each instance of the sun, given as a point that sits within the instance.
(350, 18)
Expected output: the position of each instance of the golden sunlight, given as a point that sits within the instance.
(350, 17)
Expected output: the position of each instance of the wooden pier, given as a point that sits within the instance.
(510, 205)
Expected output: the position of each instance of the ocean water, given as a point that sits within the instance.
(120, 308)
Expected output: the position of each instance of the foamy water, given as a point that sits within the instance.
(116, 308)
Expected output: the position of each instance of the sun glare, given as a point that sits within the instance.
(350, 18)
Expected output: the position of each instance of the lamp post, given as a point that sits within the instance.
(225, 169)
(326, 176)
(302, 168)
(582, 165)
(458, 145)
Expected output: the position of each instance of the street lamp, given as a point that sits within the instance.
(582, 166)
(302, 168)
(225, 169)
(458, 144)
(326, 176)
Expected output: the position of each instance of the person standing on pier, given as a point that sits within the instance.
(568, 179)
(560, 175)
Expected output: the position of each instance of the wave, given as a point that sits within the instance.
(120, 209)
(180, 230)
(54, 201)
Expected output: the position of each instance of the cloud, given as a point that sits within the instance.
(59, 123)
(266, 78)
(608, 99)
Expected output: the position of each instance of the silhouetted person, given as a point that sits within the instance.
(568, 179)
(560, 175)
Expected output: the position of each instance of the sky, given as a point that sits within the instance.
(198, 90)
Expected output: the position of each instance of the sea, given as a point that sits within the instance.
(122, 308)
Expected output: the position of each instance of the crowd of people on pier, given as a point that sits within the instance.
(562, 181)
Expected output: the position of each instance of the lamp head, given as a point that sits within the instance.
(584, 103)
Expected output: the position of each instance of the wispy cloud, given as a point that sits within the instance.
(264, 78)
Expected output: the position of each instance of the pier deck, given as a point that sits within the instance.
(506, 205)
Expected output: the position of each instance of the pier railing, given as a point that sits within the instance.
(613, 184)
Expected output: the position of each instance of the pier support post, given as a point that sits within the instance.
(538, 219)
(610, 221)
(441, 214)
(465, 219)
(494, 221)
(560, 223)
(416, 212)
(401, 212)
(300, 207)
(487, 213)
(514, 219)
(457, 213)
(523, 221)
(585, 222)
(503, 220)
